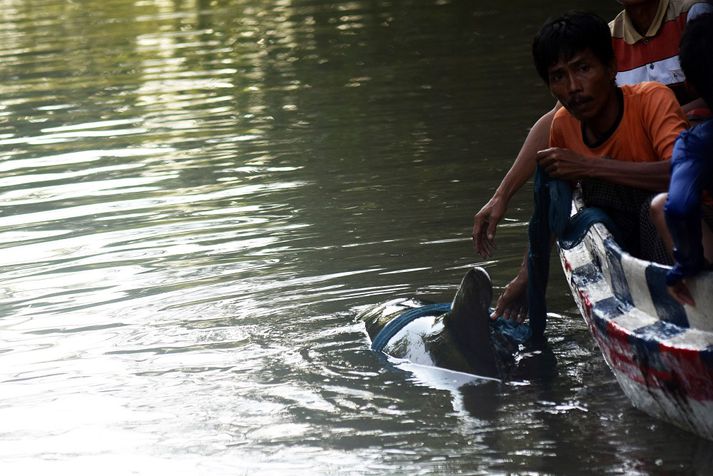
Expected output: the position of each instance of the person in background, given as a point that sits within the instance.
(684, 216)
(645, 38)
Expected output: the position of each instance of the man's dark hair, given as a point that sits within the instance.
(563, 37)
(696, 56)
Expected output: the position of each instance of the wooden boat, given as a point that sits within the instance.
(660, 352)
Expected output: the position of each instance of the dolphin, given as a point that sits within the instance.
(463, 339)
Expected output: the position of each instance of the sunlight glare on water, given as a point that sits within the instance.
(197, 198)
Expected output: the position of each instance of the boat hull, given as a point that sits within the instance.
(660, 352)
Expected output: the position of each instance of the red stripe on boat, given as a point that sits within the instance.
(692, 374)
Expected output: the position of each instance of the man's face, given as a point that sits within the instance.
(582, 84)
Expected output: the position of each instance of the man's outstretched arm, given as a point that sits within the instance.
(488, 218)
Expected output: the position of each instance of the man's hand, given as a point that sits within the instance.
(563, 163)
(485, 222)
(512, 303)
(681, 293)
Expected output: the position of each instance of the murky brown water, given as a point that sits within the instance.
(197, 197)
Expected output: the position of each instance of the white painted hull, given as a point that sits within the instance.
(661, 353)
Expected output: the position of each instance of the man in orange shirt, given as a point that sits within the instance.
(645, 37)
(615, 140)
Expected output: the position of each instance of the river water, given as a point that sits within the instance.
(198, 197)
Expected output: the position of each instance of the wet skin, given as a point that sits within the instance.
(463, 339)
(459, 340)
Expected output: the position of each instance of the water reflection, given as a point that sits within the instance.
(196, 195)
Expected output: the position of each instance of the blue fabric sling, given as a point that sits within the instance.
(551, 216)
(519, 333)
(394, 326)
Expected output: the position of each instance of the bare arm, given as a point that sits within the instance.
(693, 105)
(653, 176)
(524, 166)
(487, 219)
(565, 164)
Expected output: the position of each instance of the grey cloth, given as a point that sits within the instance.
(551, 215)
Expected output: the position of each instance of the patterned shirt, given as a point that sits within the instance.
(653, 56)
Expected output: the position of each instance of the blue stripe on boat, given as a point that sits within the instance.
(601, 322)
(619, 284)
(658, 331)
(646, 342)
(609, 308)
(667, 308)
(586, 274)
(706, 356)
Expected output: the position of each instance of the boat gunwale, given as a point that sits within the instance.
(665, 368)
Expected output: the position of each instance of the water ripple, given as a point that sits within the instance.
(196, 196)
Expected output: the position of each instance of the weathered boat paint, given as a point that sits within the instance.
(660, 352)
